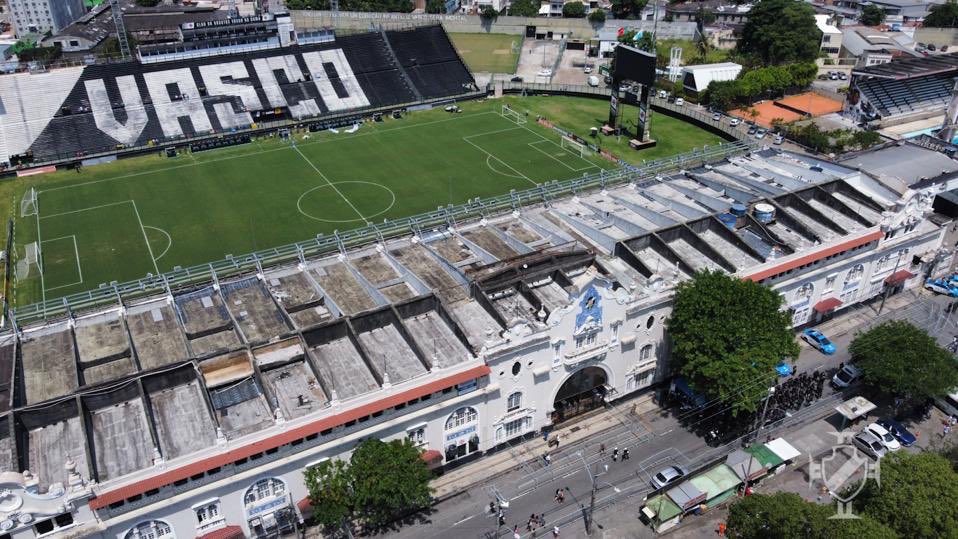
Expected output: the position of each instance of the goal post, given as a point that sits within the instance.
(574, 147)
(513, 115)
(28, 204)
(30, 263)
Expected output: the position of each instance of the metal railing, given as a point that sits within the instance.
(165, 283)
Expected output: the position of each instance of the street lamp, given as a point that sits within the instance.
(761, 425)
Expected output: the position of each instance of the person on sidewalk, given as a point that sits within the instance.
(547, 458)
(555, 531)
(602, 449)
(615, 454)
(625, 454)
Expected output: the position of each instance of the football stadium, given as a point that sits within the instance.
(234, 258)
(273, 149)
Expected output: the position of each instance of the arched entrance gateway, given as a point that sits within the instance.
(583, 391)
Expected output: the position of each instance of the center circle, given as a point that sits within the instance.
(314, 201)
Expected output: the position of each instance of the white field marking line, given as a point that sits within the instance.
(331, 184)
(43, 286)
(589, 164)
(145, 238)
(76, 252)
(549, 155)
(252, 154)
(165, 233)
(478, 147)
(506, 174)
(85, 209)
(491, 132)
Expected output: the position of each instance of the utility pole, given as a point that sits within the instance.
(593, 477)
(761, 423)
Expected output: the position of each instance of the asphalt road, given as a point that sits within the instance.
(655, 440)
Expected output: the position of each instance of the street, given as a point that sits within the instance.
(655, 439)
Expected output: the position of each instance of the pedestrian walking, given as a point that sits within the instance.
(945, 430)
(542, 520)
(558, 496)
(555, 531)
(625, 454)
(602, 449)
(952, 420)
(615, 454)
(547, 459)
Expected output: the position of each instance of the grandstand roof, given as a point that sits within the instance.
(908, 68)
(906, 162)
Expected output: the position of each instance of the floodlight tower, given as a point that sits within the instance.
(120, 29)
(947, 133)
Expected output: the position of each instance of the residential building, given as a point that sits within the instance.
(831, 37)
(869, 47)
(724, 12)
(42, 16)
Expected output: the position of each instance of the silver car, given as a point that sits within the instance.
(870, 444)
(667, 476)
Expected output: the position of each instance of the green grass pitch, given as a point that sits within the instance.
(493, 53)
(122, 220)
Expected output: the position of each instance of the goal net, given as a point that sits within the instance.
(28, 205)
(30, 262)
(513, 115)
(573, 147)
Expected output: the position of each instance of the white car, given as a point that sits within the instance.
(679, 101)
(734, 121)
(588, 69)
(846, 376)
(663, 94)
(885, 437)
(779, 139)
(869, 444)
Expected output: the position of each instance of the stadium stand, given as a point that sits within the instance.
(902, 88)
(68, 113)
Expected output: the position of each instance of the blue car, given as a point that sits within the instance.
(818, 341)
(940, 286)
(784, 369)
(897, 430)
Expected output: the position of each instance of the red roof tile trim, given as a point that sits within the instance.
(184, 472)
(817, 255)
(305, 505)
(431, 455)
(827, 304)
(229, 532)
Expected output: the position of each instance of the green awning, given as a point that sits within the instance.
(765, 455)
(716, 481)
(663, 507)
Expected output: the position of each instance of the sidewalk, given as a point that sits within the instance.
(863, 314)
(506, 459)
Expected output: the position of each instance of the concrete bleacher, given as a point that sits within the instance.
(891, 97)
(68, 113)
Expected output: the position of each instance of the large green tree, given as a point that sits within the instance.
(727, 336)
(781, 31)
(872, 15)
(573, 10)
(382, 482)
(918, 496)
(786, 515)
(904, 360)
(628, 9)
(436, 6)
(942, 15)
(524, 8)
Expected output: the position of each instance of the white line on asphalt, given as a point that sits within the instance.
(463, 520)
(570, 474)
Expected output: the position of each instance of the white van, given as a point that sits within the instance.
(593, 81)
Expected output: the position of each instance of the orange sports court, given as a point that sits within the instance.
(789, 109)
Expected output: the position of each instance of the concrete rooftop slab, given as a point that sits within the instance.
(420, 262)
(478, 325)
(241, 408)
(109, 371)
(215, 343)
(203, 312)
(437, 340)
(100, 337)
(122, 441)
(375, 268)
(49, 364)
(340, 283)
(342, 368)
(296, 293)
(453, 249)
(295, 388)
(251, 306)
(550, 294)
(520, 231)
(156, 334)
(492, 244)
(400, 362)
(183, 424)
(51, 446)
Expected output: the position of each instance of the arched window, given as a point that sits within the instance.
(804, 292)
(855, 274)
(514, 402)
(461, 417)
(264, 488)
(646, 352)
(151, 529)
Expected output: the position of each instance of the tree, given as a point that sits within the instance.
(597, 16)
(942, 15)
(728, 334)
(148, 3)
(524, 8)
(646, 42)
(330, 488)
(916, 497)
(624, 9)
(865, 139)
(872, 15)
(489, 13)
(791, 517)
(382, 482)
(904, 360)
(781, 31)
(111, 47)
(389, 479)
(573, 10)
(435, 6)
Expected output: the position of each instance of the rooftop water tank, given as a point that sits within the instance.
(728, 220)
(738, 210)
(763, 213)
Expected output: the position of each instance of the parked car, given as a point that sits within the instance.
(593, 81)
(734, 121)
(846, 376)
(818, 341)
(842, 75)
(587, 69)
(679, 101)
(898, 431)
(832, 75)
(940, 286)
(779, 139)
(516, 79)
(663, 94)
(667, 476)
(760, 134)
(869, 444)
(885, 437)
(931, 47)
(752, 130)
(716, 116)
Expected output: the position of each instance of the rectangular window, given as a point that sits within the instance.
(417, 436)
(517, 427)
